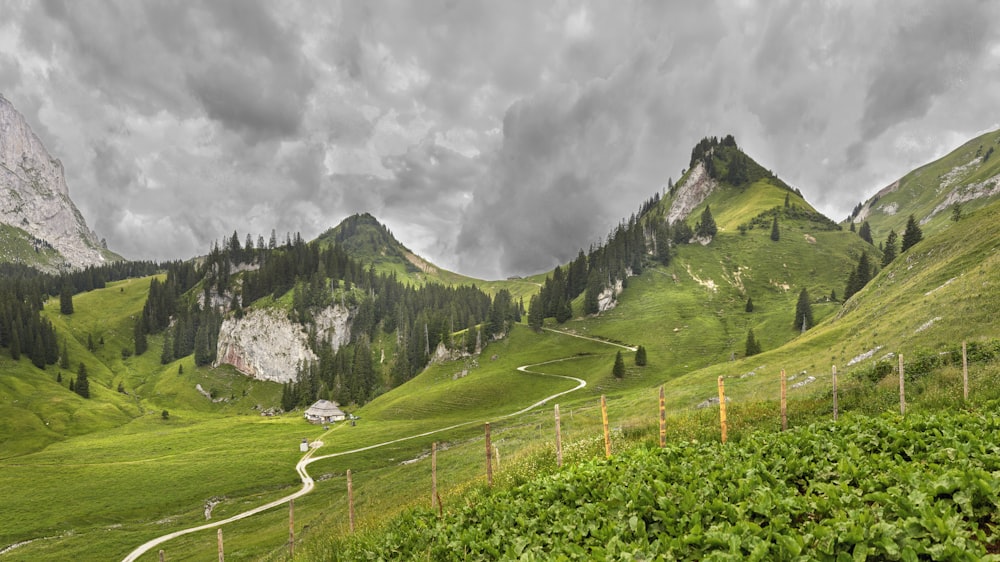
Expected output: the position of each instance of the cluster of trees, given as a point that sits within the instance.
(23, 330)
(865, 269)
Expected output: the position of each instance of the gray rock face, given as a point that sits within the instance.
(34, 196)
(266, 345)
(691, 193)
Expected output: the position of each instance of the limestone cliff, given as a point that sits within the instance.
(266, 345)
(34, 196)
(695, 189)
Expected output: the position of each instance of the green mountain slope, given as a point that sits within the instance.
(132, 471)
(369, 241)
(969, 176)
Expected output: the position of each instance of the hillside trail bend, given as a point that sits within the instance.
(310, 457)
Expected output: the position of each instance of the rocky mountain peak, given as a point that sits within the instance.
(34, 196)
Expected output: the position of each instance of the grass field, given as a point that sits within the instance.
(92, 479)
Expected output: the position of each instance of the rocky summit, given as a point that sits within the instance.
(35, 200)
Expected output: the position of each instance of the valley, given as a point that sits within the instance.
(147, 454)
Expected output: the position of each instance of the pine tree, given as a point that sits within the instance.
(66, 298)
(141, 344)
(64, 356)
(889, 250)
(859, 277)
(90, 343)
(619, 369)
(82, 386)
(706, 227)
(775, 234)
(911, 235)
(865, 232)
(956, 212)
(803, 312)
(752, 346)
(749, 306)
(640, 356)
(535, 319)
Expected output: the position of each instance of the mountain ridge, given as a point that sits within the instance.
(36, 204)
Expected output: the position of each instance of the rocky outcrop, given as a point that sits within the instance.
(266, 345)
(34, 196)
(695, 189)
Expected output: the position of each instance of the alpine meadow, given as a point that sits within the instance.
(139, 398)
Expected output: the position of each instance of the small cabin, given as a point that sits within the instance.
(324, 411)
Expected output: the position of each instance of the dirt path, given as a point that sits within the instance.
(308, 484)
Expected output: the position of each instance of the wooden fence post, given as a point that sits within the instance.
(784, 403)
(162, 555)
(222, 555)
(834, 393)
(663, 419)
(434, 471)
(291, 528)
(558, 439)
(607, 436)
(489, 457)
(350, 501)
(722, 408)
(902, 391)
(965, 374)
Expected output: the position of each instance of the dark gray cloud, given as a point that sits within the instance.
(495, 138)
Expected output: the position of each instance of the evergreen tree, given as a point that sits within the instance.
(619, 369)
(82, 386)
(889, 250)
(640, 356)
(787, 200)
(853, 229)
(66, 298)
(90, 343)
(706, 227)
(803, 312)
(859, 277)
(775, 233)
(956, 212)
(752, 346)
(140, 338)
(865, 232)
(535, 319)
(911, 235)
(64, 356)
(749, 306)
(564, 309)
(167, 353)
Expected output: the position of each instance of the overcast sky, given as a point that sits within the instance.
(493, 138)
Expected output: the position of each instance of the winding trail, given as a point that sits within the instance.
(308, 484)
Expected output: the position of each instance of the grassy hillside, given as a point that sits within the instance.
(17, 246)
(134, 475)
(928, 191)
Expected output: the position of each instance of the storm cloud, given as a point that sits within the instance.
(493, 138)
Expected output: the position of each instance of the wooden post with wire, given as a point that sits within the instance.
(434, 472)
(722, 408)
(489, 457)
(222, 555)
(350, 501)
(784, 403)
(834, 393)
(558, 439)
(291, 528)
(902, 390)
(607, 436)
(663, 418)
(965, 374)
